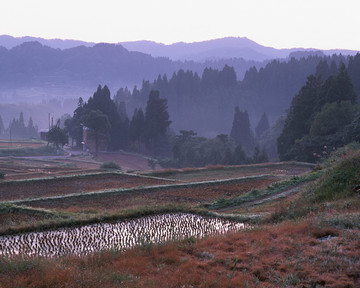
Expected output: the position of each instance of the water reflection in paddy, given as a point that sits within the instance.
(121, 235)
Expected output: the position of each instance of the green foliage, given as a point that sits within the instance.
(260, 156)
(256, 194)
(2, 175)
(338, 181)
(268, 139)
(18, 129)
(335, 89)
(57, 136)
(2, 127)
(156, 118)
(116, 129)
(354, 72)
(332, 118)
(137, 127)
(110, 165)
(241, 132)
(318, 117)
(298, 121)
(262, 126)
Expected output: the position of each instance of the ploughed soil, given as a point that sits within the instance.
(143, 197)
(63, 186)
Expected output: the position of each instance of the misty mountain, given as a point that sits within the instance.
(212, 49)
(230, 47)
(224, 48)
(32, 64)
(36, 73)
(10, 42)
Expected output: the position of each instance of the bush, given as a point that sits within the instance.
(338, 182)
(2, 175)
(110, 165)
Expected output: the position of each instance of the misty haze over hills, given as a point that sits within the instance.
(44, 72)
(229, 47)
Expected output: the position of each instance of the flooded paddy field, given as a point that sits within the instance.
(119, 236)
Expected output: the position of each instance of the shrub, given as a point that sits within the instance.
(339, 181)
(2, 175)
(110, 165)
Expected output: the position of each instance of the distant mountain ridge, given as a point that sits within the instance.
(229, 47)
(10, 42)
(223, 48)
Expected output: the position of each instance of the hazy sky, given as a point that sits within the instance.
(322, 24)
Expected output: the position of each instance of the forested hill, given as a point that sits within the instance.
(33, 64)
(205, 103)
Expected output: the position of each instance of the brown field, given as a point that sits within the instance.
(63, 186)
(37, 167)
(20, 144)
(141, 198)
(223, 172)
(126, 161)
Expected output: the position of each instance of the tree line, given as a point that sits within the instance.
(323, 116)
(204, 102)
(107, 121)
(18, 129)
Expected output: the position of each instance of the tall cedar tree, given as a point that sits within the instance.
(354, 71)
(156, 118)
(2, 128)
(336, 89)
(102, 101)
(137, 128)
(73, 125)
(262, 126)
(99, 126)
(241, 132)
(299, 118)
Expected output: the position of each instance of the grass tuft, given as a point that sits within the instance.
(110, 165)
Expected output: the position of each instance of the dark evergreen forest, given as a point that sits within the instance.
(205, 103)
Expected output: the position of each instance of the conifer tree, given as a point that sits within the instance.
(156, 118)
(2, 128)
(240, 131)
(262, 126)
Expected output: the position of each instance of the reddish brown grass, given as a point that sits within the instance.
(288, 255)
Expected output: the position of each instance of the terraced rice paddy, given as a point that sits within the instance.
(68, 185)
(120, 236)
